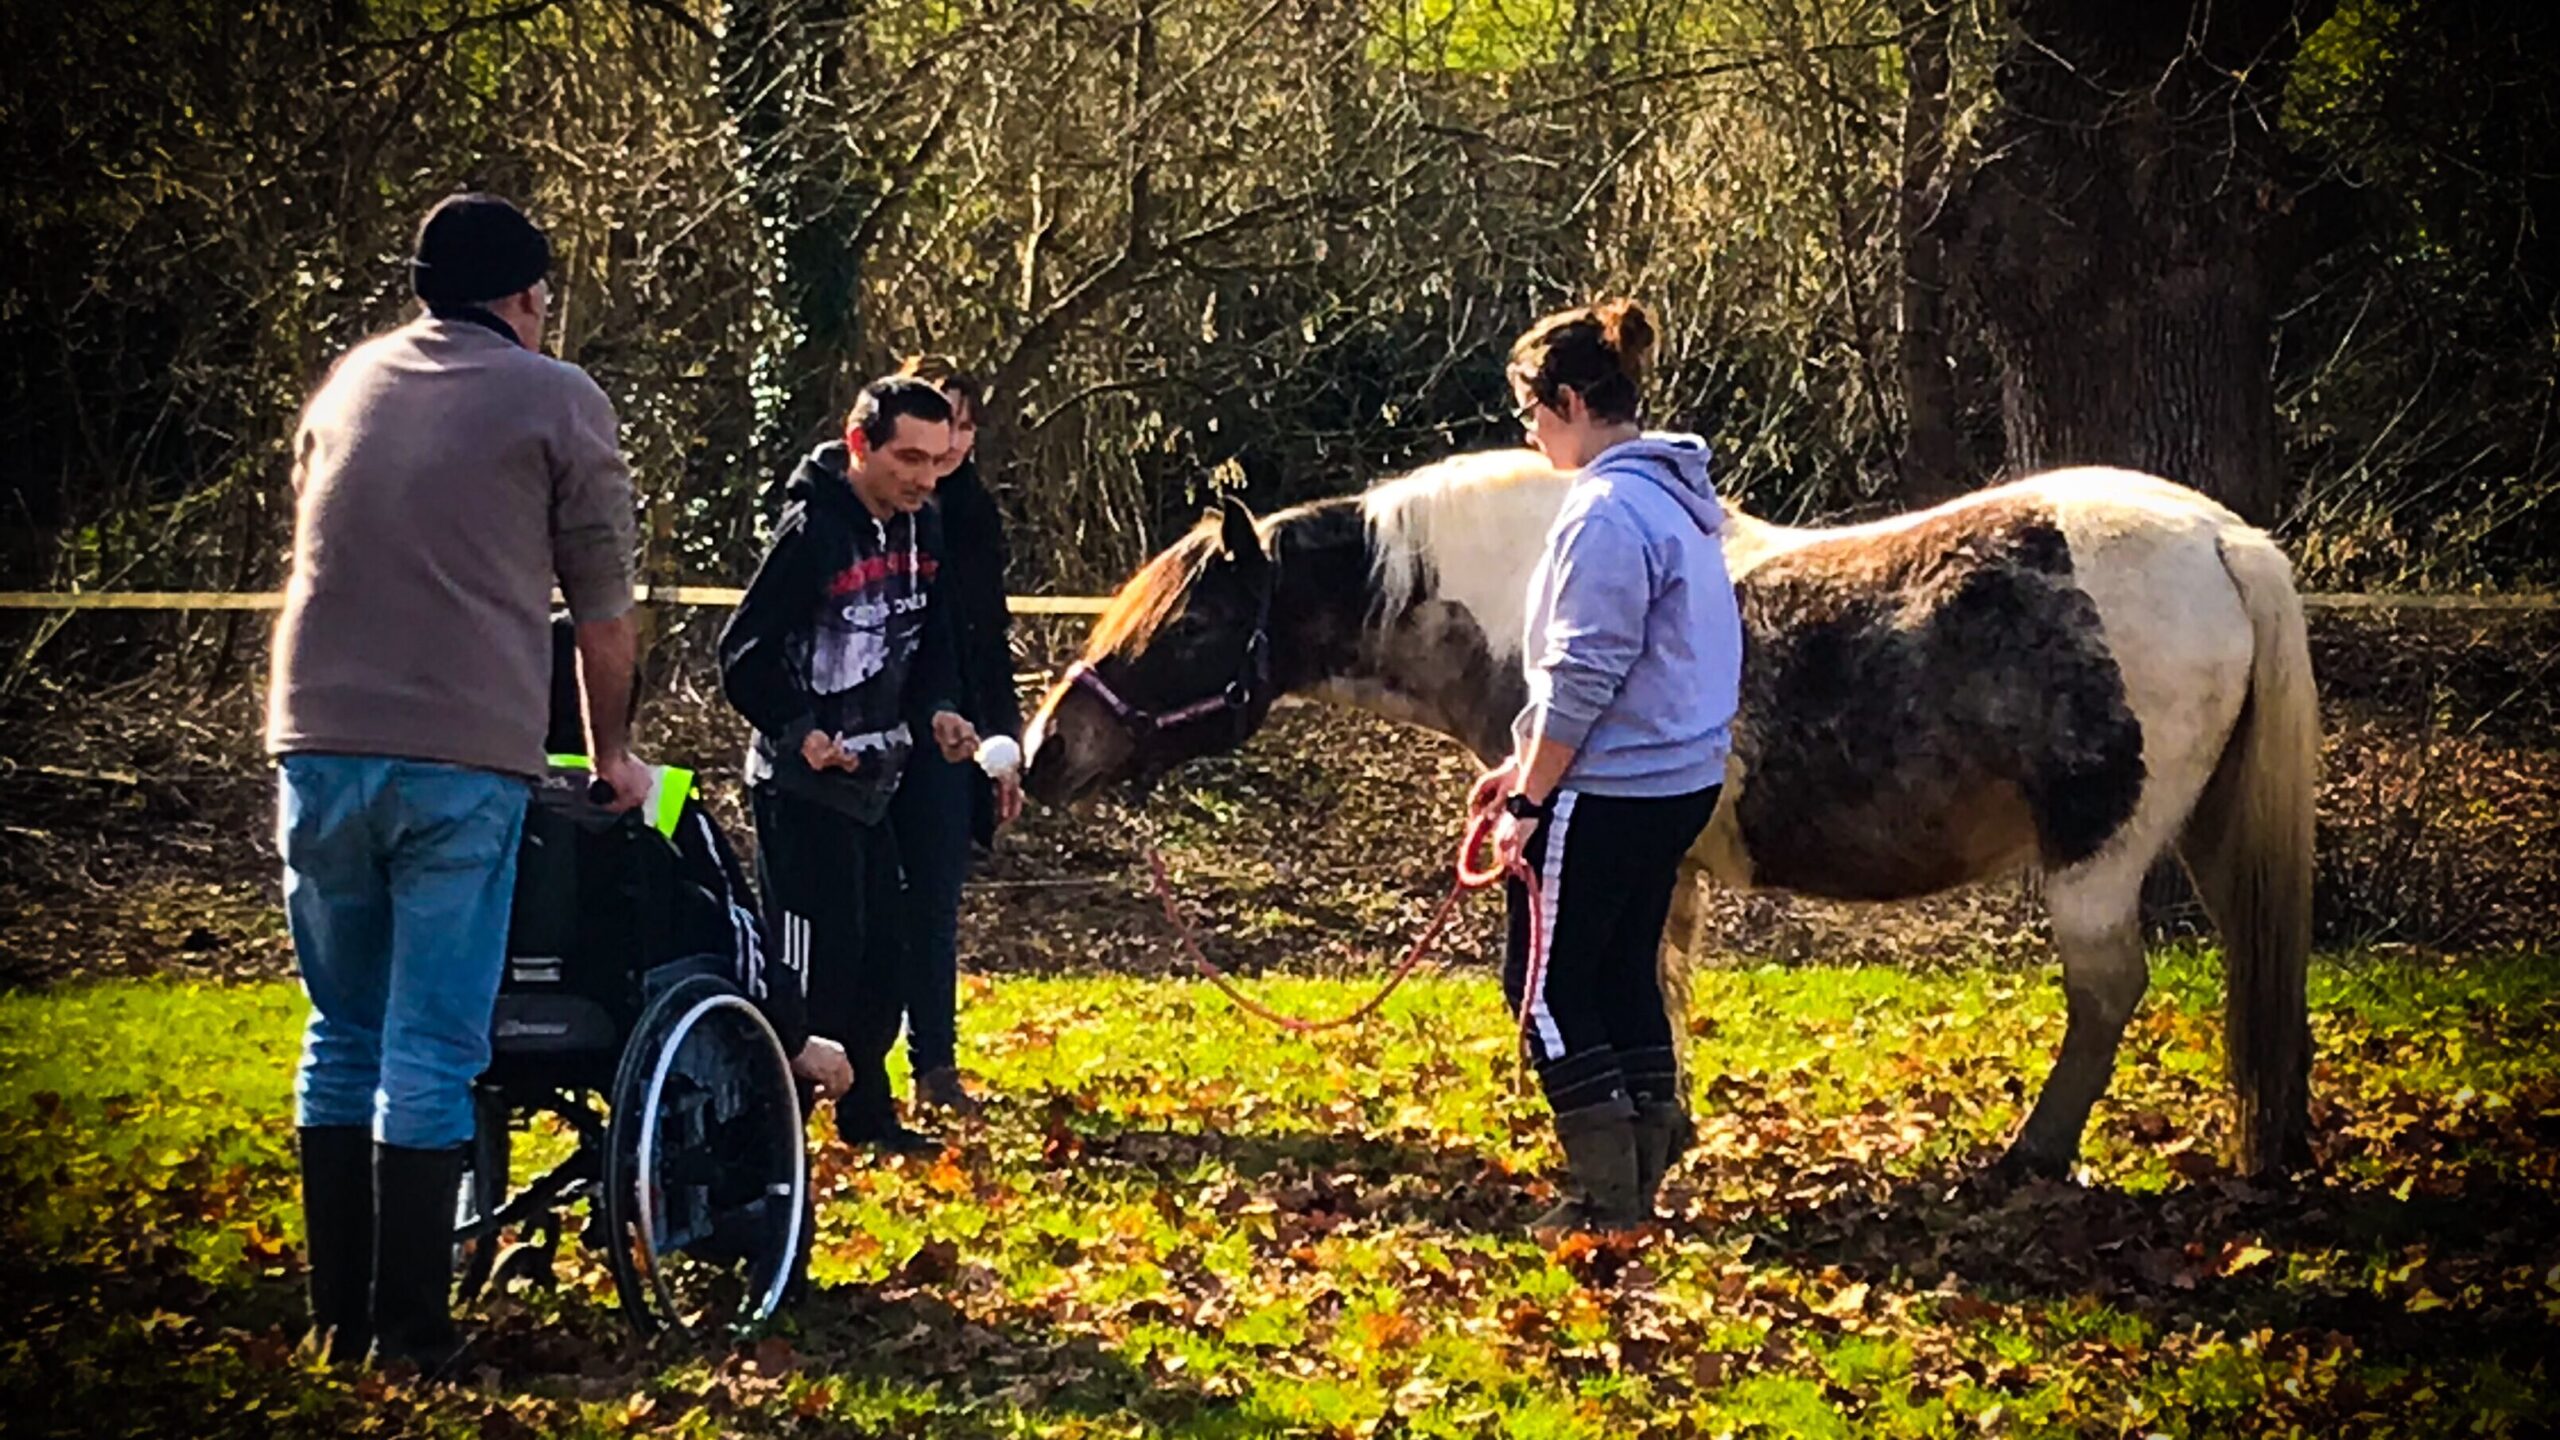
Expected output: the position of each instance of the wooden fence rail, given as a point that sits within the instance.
(270, 600)
(717, 595)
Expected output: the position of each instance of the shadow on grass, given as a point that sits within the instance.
(1332, 1173)
(139, 1346)
(2460, 1271)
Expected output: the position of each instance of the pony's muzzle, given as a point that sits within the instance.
(1077, 748)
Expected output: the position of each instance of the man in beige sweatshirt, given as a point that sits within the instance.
(446, 474)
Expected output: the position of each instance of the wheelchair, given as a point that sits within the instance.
(622, 991)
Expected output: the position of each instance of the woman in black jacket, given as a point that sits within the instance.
(941, 807)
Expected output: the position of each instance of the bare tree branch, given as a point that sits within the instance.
(468, 23)
(675, 11)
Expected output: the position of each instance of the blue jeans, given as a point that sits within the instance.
(399, 876)
(931, 813)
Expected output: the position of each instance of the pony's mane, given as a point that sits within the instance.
(1466, 529)
(1154, 595)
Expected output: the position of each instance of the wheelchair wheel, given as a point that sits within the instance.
(706, 1165)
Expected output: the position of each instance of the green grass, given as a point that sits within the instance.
(1179, 1222)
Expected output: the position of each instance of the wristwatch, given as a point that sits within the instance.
(1521, 807)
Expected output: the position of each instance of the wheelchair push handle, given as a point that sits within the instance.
(600, 796)
(575, 775)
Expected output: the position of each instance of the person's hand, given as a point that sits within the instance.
(627, 777)
(821, 751)
(1008, 797)
(1511, 842)
(957, 737)
(822, 1063)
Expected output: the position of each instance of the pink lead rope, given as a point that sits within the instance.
(1467, 878)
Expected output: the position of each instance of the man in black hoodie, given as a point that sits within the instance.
(840, 659)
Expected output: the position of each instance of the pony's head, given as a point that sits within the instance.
(1179, 666)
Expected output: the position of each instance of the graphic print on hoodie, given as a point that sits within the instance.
(838, 634)
(1633, 641)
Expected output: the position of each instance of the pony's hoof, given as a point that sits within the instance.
(2021, 1165)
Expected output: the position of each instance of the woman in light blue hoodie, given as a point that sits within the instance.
(1633, 652)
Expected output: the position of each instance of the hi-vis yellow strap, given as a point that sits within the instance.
(666, 798)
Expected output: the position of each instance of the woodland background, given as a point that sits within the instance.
(2302, 254)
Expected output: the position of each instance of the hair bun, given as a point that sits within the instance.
(1627, 328)
(1599, 351)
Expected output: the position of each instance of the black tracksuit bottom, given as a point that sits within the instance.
(1606, 867)
(834, 912)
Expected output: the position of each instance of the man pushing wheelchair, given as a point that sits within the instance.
(446, 475)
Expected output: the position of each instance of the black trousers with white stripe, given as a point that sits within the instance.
(834, 912)
(1606, 866)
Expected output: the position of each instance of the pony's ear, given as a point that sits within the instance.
(1237, 539)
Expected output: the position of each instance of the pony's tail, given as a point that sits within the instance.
(2248, 847)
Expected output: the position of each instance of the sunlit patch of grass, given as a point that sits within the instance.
(1177, 1221)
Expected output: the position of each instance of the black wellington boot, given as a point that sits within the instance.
(1662, 1133)
(337, 1224)
(413, 1257)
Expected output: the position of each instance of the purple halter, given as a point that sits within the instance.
(1246, 697)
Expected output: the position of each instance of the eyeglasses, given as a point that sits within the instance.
(1526, 414)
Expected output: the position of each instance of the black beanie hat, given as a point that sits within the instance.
(476, 247)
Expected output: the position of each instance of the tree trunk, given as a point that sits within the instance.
(778, 60)
(1932, 461)
(2127, 237)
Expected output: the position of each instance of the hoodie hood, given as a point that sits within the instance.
(820, 482)
(820, 479)
(1677, 463)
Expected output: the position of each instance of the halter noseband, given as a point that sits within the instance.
(1242, 697)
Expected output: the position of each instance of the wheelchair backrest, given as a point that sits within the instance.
(602, 902)
(595, 903)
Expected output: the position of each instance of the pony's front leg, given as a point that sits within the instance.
(2097, 929)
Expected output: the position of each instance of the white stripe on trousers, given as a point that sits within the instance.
(1550, 905)
(795, 946)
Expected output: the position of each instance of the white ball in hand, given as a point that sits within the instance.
(999, 755)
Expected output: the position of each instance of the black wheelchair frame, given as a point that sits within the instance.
(697, 1164)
